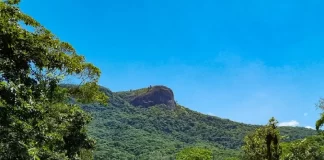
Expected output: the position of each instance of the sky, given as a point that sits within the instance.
(241, 60)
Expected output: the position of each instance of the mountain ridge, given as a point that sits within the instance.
(150, 96)
(124, 131)
(120, 93)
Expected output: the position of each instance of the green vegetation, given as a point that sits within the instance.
(123, 131)
(128, 95)
(194, 153)
(263, 144)
(310, 148)
(36, 119)
(41, 119)
(320, 121)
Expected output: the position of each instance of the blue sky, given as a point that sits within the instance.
(241, 60)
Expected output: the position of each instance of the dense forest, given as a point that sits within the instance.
(123, 131)
(43, 119)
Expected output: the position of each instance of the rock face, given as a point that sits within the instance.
(156, 95)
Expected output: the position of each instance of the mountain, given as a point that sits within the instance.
(151, 96)
(148, 124)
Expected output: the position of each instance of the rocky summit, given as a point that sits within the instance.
(156, 95)
(151, 96)
(136, 126)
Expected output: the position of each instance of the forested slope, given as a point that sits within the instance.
(124, 131)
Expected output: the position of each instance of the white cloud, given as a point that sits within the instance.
(305, 114)
(211, 114)
(309, 127)
(292, 123)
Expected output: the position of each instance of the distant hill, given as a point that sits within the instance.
(147, 124)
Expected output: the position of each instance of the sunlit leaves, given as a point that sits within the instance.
(310, 148)
(263, 144)
(36, 119)
(194, 154)
(87, 92)
(320, 121)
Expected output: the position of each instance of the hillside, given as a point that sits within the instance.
(126, 131)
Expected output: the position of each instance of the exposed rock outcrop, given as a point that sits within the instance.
(156, 95)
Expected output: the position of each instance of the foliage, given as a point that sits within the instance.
(320, 121)
(310, 148)
(36, 119)
(263, 144)
(123, 131)
(41, 119)
(86, 154)
(194, 154)
(232, 158)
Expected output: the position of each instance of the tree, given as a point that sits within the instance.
(194, 154)
(308, 148)
(320, 121)
(37, 118)
(263, 144)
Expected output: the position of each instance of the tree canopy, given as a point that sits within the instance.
(310, 148)
(263, 144)
(40, 118)
(320, 121)
(37, 120)
(194, 153)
